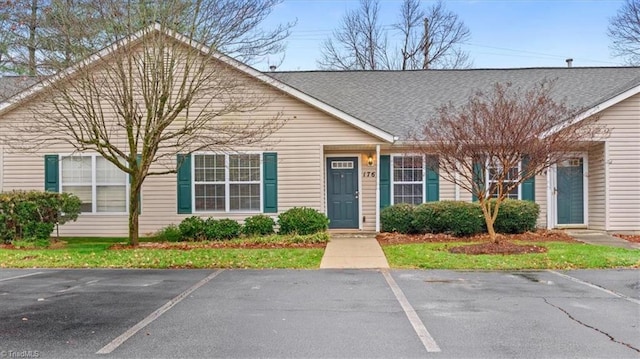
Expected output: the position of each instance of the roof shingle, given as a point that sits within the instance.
(398, 101)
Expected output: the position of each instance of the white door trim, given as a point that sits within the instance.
(552, 195)
(358, 164)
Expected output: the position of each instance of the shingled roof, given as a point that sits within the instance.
(398, 101)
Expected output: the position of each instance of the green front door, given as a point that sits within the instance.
(342, 192)
(571, 191)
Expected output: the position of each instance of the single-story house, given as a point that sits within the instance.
(344, 152)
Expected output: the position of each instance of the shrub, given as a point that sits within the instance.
(397, 218)
(169, 233)
(221, 229)
(258, 225)
(192, 228)
(302, 220)
(453, 217)
(424, 218)
(516, 216)
(33, 215)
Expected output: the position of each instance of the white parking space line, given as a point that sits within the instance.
(114, 344)
(426, 338)
(608, 291)
(20, 276)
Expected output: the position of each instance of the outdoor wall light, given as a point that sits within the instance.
(370, 160)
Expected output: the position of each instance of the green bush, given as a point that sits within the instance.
(424, 218)
(221, 229)
(258, 225)
(169, 233)
(33, 215)
(516, 216)
(302, 220)
(397, 218)
(192, 228)
(453, 217)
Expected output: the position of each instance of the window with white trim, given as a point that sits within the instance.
(227, 182)
(101, 186)
(408, 179)
(495, 170)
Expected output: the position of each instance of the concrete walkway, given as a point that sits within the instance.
(601, 238)
(354, 251)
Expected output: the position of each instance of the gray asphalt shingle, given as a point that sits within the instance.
(398, 101)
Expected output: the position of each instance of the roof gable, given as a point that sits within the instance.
(21, 96)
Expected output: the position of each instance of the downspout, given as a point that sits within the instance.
(377, 188)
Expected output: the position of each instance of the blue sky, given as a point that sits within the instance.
(516, 33)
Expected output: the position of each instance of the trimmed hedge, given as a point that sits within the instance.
(515, 216)
(221, 229)
(33, 215)
(258, 225)
(192, 228)
(398, 218)
(302, 220)
(453, 217)
(458, 218)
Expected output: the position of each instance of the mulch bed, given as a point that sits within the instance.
(497, 248)
(214, 245)
(629, 237)
(506, 245)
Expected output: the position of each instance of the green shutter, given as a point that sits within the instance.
(385, 181)
(432, 182)
(528, 186)
(184, 183)
(478, 177)
(270, 182)
(51, 173)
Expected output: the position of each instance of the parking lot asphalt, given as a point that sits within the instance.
(319, 314)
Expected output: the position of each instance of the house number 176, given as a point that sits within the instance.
(368, 174)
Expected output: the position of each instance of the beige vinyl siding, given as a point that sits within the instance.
(541, 199)
(597, 187)
(623, 167)
(447, 190)
(300, 169)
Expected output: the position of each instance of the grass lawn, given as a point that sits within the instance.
(94, 253)
(560, 255)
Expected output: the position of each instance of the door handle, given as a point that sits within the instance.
(356, 194)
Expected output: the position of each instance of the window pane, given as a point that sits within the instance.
(407, 193)
(244, 168)
(209, 168)
(407, 169)
(209, 197)
(111, 199)
(84, 193)
(76, 169)
(244, 197)
(107, 172)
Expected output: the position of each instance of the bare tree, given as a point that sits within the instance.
(624, 31)
(157, 93)
(428, 38)
(497, 140)
(359, 42)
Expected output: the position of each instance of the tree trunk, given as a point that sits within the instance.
(488, 219)
(31, 45)
(134, 211)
